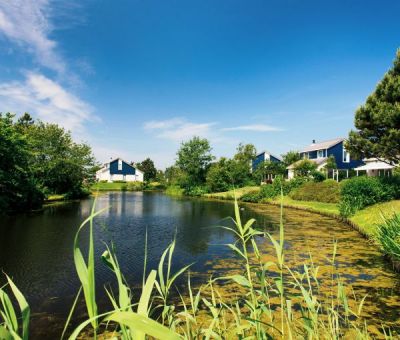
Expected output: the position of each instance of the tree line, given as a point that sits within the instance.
(39, 159)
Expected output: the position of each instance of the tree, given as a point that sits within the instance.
(174, 176)
(60, 165)
(18, 187)
(269, 168)
(290, 157)
(148, 168)
(220, 175)
(194, 158)
(378, 121)
(304, 168)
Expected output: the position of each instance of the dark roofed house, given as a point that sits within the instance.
(319, 153)
(262, 157)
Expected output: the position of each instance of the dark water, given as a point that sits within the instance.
(36, 249)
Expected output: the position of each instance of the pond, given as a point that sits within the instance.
(36, 249)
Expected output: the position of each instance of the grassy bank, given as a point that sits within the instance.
(126, 186)
(366, 219)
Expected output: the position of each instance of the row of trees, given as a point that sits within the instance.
(196, 169)
(39, 159)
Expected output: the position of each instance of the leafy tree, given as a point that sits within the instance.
(219, 175)
(269, 168)
(378, 120)
(241, 166)
(304, 168)
(174, 176)
(245, 153)
(331, 163)
(290, 157)
(194, 158)
(148, 168)
(59, 164)
(18, 187)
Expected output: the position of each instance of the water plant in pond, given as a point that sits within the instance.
(268, 299)
(389, 236)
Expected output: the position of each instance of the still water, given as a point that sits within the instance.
(36, 249)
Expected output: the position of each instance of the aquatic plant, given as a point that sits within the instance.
(389, 236)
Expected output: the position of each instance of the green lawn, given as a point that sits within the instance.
(115, 186)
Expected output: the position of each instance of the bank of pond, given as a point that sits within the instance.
(323, 261)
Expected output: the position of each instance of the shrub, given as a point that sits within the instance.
(360, 192)
(252, 196)
(327, 192)
(318, 176)
(197, 190)
(133, 186)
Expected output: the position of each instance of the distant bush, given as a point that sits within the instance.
(279, 185)
(198, 190)
(318, 176)
(327, 191)
(119, 181)
(155, 186)
(252, 196)
(103, 181)
(174, 190)
(133, 186)
(360, 192)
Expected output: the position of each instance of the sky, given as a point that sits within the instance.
(136, 78)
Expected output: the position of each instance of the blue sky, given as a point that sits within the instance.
(135, 78)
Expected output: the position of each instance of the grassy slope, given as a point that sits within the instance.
(367, 219)
(107, 186)
(230, 194)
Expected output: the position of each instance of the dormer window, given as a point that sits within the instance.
(119, 164)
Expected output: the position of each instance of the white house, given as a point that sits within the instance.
(119, 170)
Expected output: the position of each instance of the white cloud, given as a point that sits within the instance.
(179, 129)
(47, 100)
(26, 22)
(253, 127)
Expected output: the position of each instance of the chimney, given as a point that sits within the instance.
(313, 141)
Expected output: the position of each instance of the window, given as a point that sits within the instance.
(320, 153)
(119, 164)
(346, 156)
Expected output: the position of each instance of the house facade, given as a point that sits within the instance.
(119, 170)
(262, 157)
(319, 153)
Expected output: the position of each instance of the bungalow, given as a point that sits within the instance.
(319, 153)
(119, 170)
(262, 157)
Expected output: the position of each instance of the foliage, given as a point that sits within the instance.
(196, 190)
(389, 236)
(269, 168)
(175, 176)
(194, 158)
(331, 163)
(19, 189)
(252, 196)
(317, 176)
(148, 168)
(359, 192)
(219, 175)
(327, 191)
(304, 167)
(378, 120)
(290, 157)
(174, 190)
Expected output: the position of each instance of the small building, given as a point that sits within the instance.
(375, 167)
(262, 157)
(119, 170)
(319, 153)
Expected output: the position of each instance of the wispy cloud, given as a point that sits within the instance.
(179, 129)
(253, 127)
(26, 23)
(46, 99)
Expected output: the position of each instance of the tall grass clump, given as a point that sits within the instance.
(389, 236)
(327, 191)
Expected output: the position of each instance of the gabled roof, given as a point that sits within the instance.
(323, 145)
(318, 161)
(269, 153)
(118, 158)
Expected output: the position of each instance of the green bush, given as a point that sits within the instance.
(197, 190)
(119, 181)
(327, 192)
(318, 176)
(252, 196)
(360, 192)
(133, 186)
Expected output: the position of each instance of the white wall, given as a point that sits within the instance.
(105, 176)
